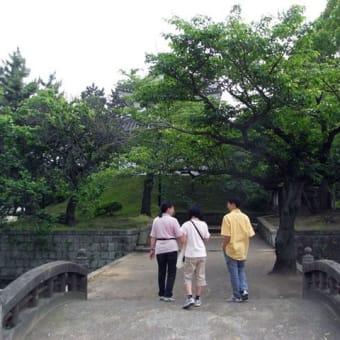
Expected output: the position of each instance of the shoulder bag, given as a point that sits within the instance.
(197, 230)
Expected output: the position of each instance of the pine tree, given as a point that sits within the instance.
(12, 76)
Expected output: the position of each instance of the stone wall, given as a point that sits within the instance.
(324, 244)
(21, 251)
(266, 230)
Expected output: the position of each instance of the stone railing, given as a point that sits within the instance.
(321, 279)
(266, 230)
(29, 298)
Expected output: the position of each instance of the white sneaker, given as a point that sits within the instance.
(169, 299)
(188, 303)
(197, 303)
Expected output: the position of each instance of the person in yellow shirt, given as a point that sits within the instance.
(236, 230)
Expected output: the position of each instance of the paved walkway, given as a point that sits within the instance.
(123, 304)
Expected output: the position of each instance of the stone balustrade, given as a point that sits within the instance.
(28, 298)
(321, 280)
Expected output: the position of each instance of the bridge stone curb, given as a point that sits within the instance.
(30, 317)
(321, 280)
(23, 301)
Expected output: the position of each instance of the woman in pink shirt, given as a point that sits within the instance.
(164, 235)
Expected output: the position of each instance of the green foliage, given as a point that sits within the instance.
(326, 35)
(280, 117)
(50, 146)
(91, 191)
(212, 192)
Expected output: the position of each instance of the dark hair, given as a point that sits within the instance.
(235, 200)
(195, 211)
(164, 207)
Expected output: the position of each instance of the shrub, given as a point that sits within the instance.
(108, 208)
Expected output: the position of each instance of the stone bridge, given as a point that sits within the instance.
(122, 303)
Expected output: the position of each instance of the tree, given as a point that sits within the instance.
(12, 76)
(19, 188)
(274, 114)
(326, 41)
(21, 185)
(94, 97)
(49, 146)
(73, 141)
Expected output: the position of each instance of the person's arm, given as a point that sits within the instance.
(153, 240)
(225, 232)
(225, 242)
(180, 236)
(182, 240)
(206, 234)
(251, 232)
(152, 247)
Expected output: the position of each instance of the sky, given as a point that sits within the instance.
(91, 41)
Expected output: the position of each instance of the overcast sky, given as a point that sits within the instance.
(86, 41)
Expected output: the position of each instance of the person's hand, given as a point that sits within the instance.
(152, 253)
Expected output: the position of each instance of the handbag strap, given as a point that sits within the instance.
(197, 230)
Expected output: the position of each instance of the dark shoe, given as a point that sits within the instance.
(235, 299)
(244, 295)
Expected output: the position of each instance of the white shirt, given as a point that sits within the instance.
(195, 247)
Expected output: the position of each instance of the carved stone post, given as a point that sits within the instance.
(82, 258)
(307, 256)
(1, 326)
(307, 280)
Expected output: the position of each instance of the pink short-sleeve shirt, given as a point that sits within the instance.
(166, 230)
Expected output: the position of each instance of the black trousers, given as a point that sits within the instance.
(166, 273)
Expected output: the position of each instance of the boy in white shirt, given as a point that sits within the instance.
(195, 234)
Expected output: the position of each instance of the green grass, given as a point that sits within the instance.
(56, 209)
(126, 190)
(98, 223)
(210, 193)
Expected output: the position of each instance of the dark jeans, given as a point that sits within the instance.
(166, 273)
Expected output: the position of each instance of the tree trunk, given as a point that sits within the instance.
(290, 201)
(147, 194)
(30, 209)
(325, 196)
(159, 190)
(70, 216)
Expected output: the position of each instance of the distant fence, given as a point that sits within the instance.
(28, 298)
(321, 280)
